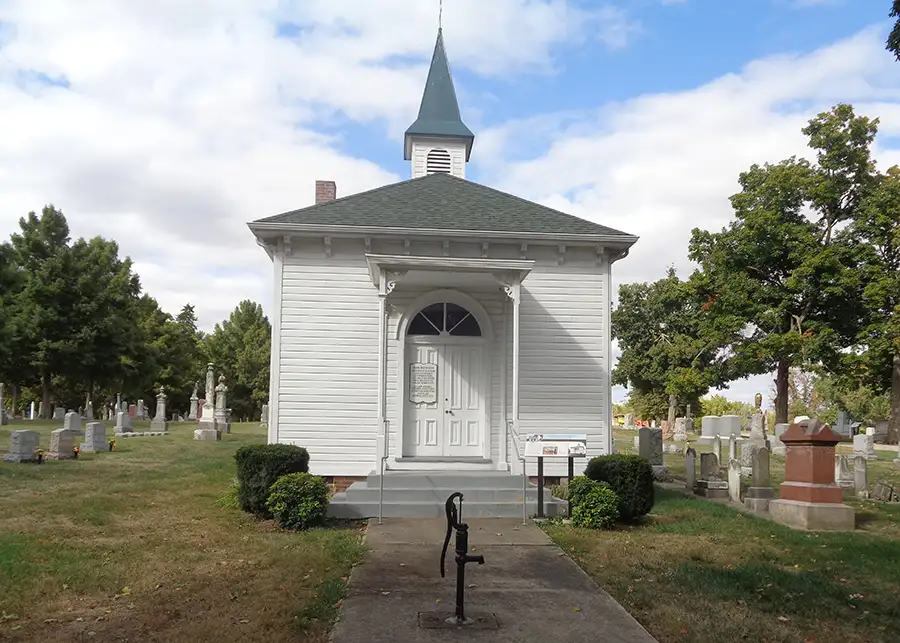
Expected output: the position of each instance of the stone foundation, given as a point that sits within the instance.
(823, 516)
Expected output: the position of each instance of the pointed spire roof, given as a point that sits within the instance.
(439, 110)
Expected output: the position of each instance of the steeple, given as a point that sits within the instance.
(439, 118)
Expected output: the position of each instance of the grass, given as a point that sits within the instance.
(144, 543)
(703, 572)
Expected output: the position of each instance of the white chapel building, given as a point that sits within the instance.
(429, 325)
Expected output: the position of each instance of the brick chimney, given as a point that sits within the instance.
(325, 191)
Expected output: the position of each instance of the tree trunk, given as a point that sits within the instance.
(894, 423)
(781, 392)
(45, 390)
(14, 400)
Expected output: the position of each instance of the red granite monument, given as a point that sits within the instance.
(809, 497)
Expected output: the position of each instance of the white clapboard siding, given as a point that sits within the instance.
(563, 354)
(328, 393)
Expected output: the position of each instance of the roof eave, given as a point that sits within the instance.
(269, 229)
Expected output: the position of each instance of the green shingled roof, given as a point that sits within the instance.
(439, 110)
(443, 202)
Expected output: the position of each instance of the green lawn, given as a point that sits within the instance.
(703, 572)
(135, 544)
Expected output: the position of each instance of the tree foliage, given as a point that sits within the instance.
(240, 348)
(74, 325)
(782, 280)
(667, 346)
(893, 41)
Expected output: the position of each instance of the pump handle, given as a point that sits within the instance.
(452, 523)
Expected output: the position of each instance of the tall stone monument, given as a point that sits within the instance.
(223, 419)
(159, 422)
(192, 415)
(809, 497)
(206, 425)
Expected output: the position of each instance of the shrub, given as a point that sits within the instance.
(259, 466)
(298, 501)
(597, 508)
(560, 491)
(579, 486)
(630, 477)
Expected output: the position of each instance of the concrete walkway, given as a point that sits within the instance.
(527, 590)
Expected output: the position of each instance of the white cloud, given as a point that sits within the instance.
(661, 164)
(185, 120)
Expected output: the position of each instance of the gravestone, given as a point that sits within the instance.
(680, 430)
(72, 422)
(32, 412)
(94, 438)
(89, 411)
(809, 497)
(711, 484)
(730, 426)
(734, 481)
(637, 443)
(62, 443)
(778, 446)
(760, 492)
(123, 423)
(864, 445)
(861, 475)
(264, 417)
(732, 450)
(650, 445)
(843, 474)
(192, 414)
(223, 422)
(690, 468)
(22, 446)
(207, 420)
(132, 411)
(59, 413)
(717, 446)
(709, 428)
(629, 420)
(748, 449)
(159, 422)
(883, 492)
(141, 412)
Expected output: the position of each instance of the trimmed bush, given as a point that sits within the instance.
(298, 501)
(630, 477)
(597, 508)
(259, 466)
(579, 487)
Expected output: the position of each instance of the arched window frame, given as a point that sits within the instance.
(454, 320)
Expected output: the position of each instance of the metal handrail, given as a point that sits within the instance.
(510, 426)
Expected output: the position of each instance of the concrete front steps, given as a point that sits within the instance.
(420, 494)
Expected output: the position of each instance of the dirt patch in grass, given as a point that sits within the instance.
(703, 572)
(132, 545)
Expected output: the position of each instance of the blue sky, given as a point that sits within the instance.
(168, 126)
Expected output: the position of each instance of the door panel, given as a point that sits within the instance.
(425, 419)
(463, 399)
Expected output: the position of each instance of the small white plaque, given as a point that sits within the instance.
(422, 383)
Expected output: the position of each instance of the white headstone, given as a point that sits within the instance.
(690, 469)
(72, 422)
(709, 426)
(94, 438)
(680, 430)
(123, 423)
(734, 481)
(860, 475)
(730, 426)
(62, 444)
(22, 446)
(864, 445)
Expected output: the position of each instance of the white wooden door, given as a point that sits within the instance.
(426, 419)
(463, 402)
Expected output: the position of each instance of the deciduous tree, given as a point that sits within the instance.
(781, 279)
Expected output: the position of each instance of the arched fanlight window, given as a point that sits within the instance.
(438, 161)
(444, 319)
